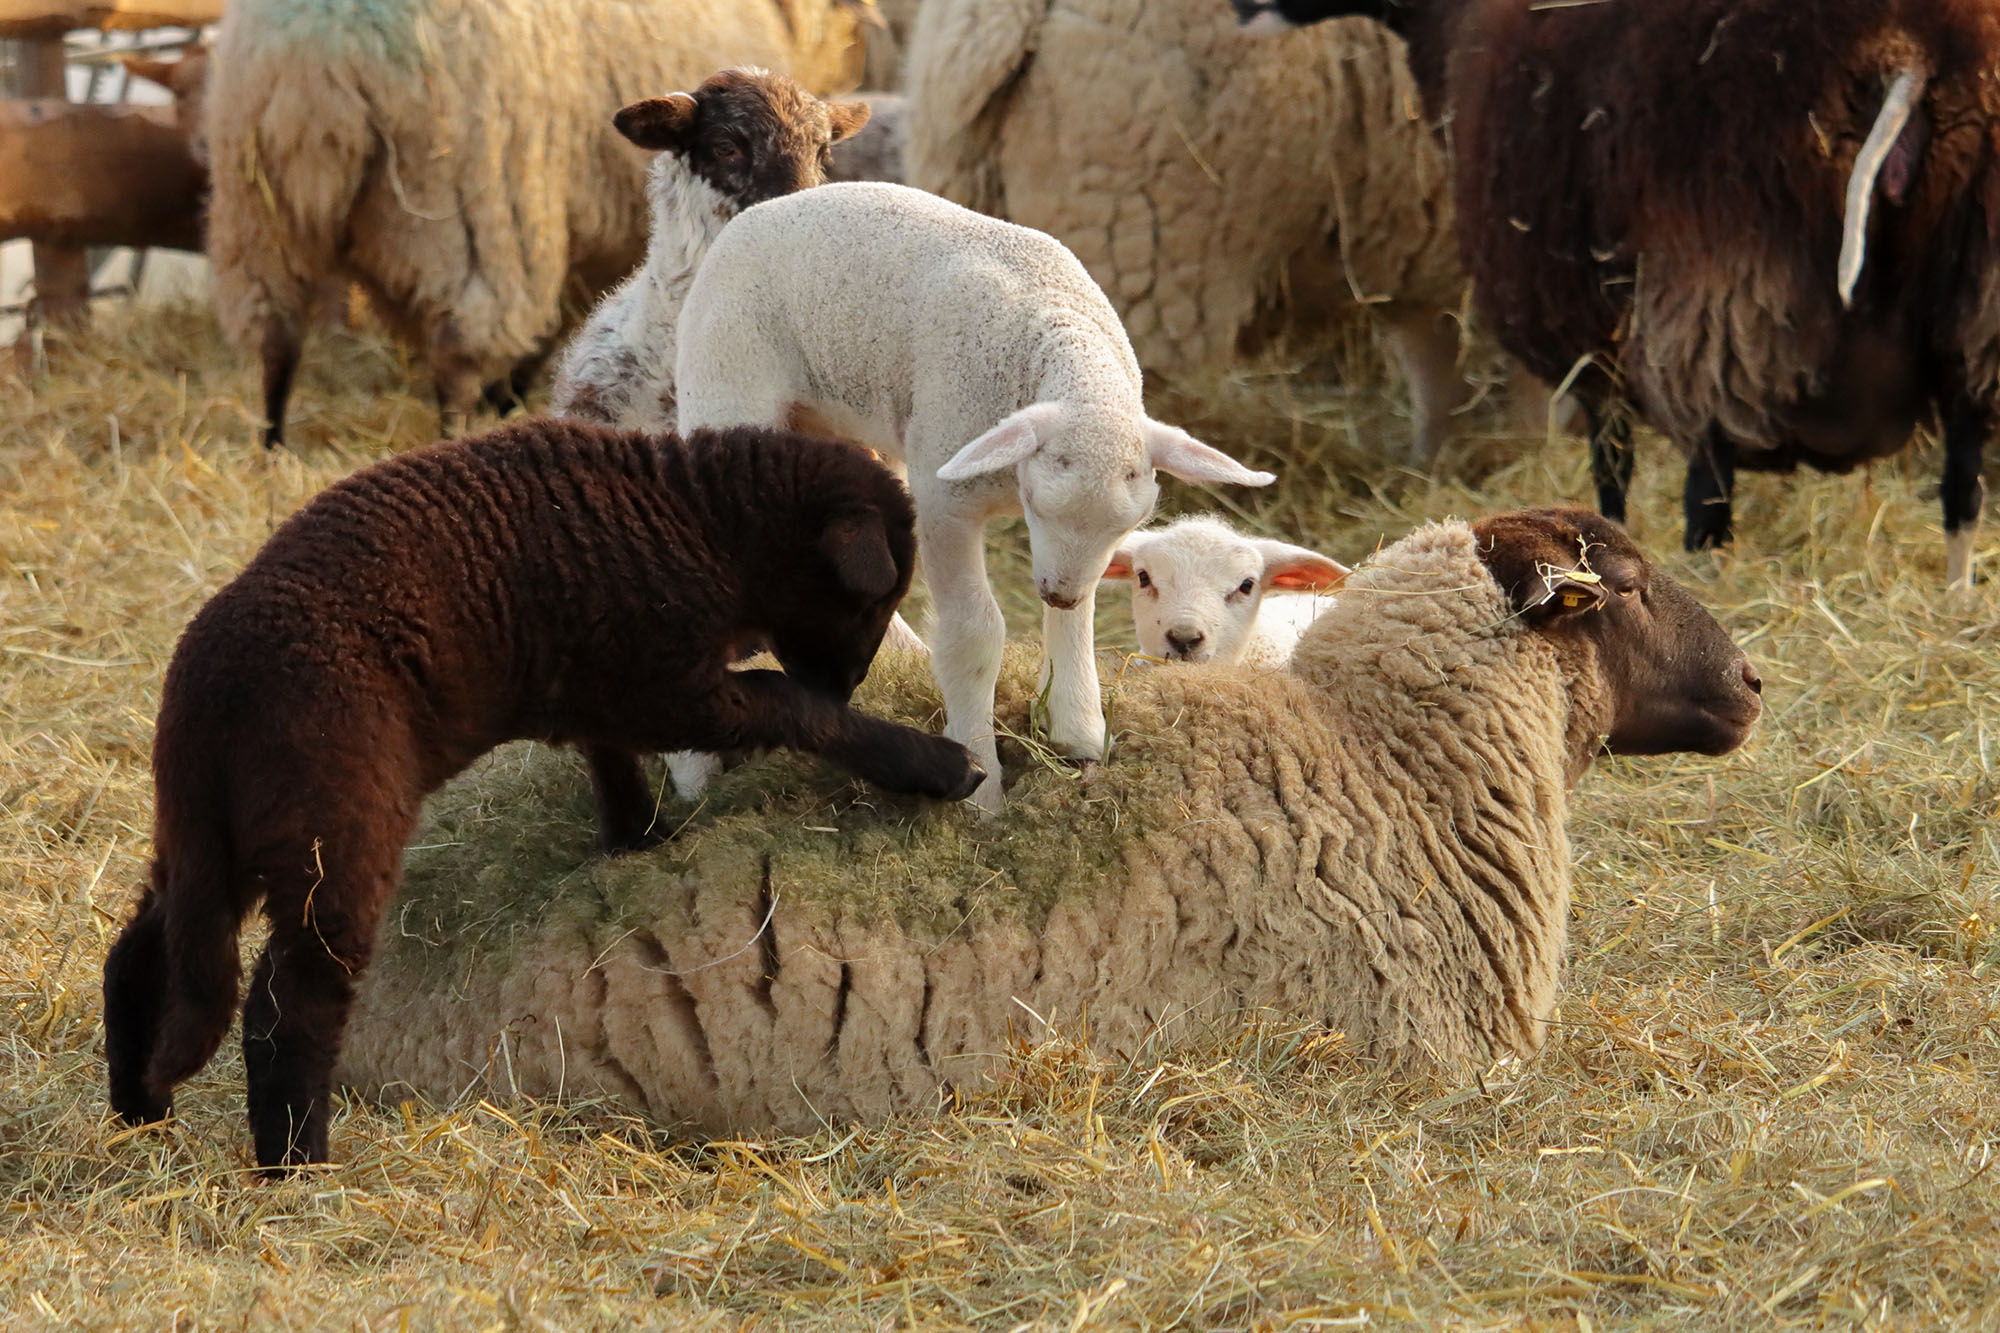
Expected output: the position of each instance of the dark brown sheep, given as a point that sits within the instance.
(1769, 226)
(550, 581)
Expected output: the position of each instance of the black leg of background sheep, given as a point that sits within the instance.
(625, 804)
(1610, 458)
(766, 710)
(1963, 489)
(135, 977)
(281, 361)
(1711, 481)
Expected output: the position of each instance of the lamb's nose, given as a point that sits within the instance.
(1752, 679)
(1184, 641)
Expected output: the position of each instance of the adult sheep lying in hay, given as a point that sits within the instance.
(550, 581)
(457, 161)
(1374, 841)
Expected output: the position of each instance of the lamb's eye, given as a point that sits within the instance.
(1246, 586)
(1145, 579)
(727, 151)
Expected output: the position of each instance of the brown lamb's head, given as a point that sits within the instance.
(750, 134)
(834, 578)
(1651, 670)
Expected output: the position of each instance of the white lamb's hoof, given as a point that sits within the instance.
(903, 638)
(691, 771)
(1083, 744)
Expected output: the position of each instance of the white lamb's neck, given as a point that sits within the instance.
(688, 213)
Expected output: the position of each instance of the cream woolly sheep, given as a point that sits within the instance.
(457, 161)
(1203, 592)
(1373, 841)
(742, 137)
(1221, 189)
(980, 355)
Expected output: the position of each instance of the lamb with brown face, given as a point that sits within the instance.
(742, 137)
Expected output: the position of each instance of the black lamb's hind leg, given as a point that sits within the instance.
(1711, 481)
(135, 988)
(625, 805)
(1610, 458)
(1963, 489)
(281, 361)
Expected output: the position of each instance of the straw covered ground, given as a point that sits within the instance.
(1771, 1100)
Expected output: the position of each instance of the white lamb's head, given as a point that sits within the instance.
(1197, 585)
(1086, 479)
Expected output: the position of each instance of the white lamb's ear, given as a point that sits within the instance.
(1174, 451)
(1007, 444)
(1295, 569)
(1121, 564)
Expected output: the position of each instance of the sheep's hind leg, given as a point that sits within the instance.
(1425, 343)
(968, 641)
(322, 936)
(281, 362)
(135, 983)
(455, 372)
(1963, 490)
(1711, 481)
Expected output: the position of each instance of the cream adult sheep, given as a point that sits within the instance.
(1204, 592)
(982, 357)
(1373, 841)
(457, 161)
(1220, 190)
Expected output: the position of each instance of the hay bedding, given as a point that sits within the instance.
(1769, 1104)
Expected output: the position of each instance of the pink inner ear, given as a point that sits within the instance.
(1119, 568)
(1307, 578)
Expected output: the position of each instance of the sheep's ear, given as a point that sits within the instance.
(847, 118)
(161, 72)
(1295, 569)
(1540, 560)
(1011, 442)
(1122, 561)
(658, 123)
(1174, 451)
(859, 550)
(1566, 592)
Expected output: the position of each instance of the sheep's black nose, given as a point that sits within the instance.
(1183, 641)
(1752, 679)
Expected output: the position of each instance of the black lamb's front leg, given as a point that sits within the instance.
(1963, 489)
(1711, 481)
(766, 708)
(625, 806)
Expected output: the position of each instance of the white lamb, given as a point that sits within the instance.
(1204, 592)
(983, 357)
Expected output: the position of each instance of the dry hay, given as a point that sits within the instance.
(1771, 1102)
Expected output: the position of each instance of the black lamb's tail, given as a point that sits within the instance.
(171, 980)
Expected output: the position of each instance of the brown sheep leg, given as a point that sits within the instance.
(1610, 458)
(323, 927)
(625, 804)
(1963, 490)
(281, 361)
(1425, 342)
(1711, 481)
(762, 709)
(456, 374)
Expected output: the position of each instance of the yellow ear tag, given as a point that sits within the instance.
(1572, 600)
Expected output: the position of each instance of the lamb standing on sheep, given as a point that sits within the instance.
(1223, 192)
(1373, 841)
(982, 356)
(1764, 224)
(548, 581)
(457, 161)
(742, 137)
(1203, 592)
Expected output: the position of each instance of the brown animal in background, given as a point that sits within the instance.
(549, 581)
(1768, 225)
